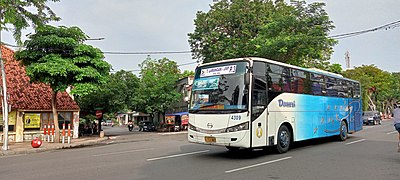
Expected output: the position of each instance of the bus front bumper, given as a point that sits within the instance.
(234, 139)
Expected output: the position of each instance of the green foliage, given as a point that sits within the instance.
(116, 95)
(57, 56)
(395, 86)
(297, 35)
(382, 87)
(293, 34)
(157, 89)
(186, 73)
(19, 13)
(335, 68)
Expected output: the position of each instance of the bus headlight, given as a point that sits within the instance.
(240, 127)
(193, 128)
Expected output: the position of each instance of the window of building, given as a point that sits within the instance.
(63, 118)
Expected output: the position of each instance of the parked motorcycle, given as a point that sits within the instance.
(130, 127)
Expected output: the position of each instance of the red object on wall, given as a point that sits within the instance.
(36, 143)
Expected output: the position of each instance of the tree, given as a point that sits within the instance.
(18, 14)
(186, 73)
(58, 57)
(335, 68)
(293, 34)
(157, 89)
(376, 86)
(116, 95)
(297, 35)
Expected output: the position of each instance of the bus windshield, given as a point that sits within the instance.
(220, 88)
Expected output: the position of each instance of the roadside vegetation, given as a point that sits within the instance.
(295, 33)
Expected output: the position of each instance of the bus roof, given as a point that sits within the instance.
(312, 70)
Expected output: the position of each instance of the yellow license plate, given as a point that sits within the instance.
(209, 139)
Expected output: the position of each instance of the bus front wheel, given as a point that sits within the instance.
(343, 131)
(283, 139)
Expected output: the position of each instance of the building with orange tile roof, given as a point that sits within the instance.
(31, 103)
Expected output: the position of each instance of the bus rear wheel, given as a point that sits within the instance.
(284, 139)
(343, 131)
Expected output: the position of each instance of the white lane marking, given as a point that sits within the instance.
(392, 132)
(172, 133)
(177, 155)
(368, 127)
(256, 165)
(123, 152)
(361, 140)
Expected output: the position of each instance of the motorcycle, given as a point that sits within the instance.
(130, 127)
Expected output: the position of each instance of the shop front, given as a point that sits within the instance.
(26, 125)
(177, 120)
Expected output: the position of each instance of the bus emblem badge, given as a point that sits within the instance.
(210, 125)
(259, 132)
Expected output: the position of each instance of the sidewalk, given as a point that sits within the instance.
(26, 148)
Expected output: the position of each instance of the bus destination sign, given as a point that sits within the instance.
(215, 71)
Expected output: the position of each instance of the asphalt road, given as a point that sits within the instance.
(369, 154)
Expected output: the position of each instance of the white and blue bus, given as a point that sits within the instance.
(254, 103)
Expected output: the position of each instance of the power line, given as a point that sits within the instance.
(145, 53)
(179, 65)
(391, 25)
(388, 26)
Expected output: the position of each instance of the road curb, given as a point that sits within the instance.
(29, 150)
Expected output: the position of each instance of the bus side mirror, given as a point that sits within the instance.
(247, 78)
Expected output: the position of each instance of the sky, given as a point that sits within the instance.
(163, 25)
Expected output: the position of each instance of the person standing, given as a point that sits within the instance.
(396, 121)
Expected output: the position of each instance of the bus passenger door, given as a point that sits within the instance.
(259, 130)
(259, 112)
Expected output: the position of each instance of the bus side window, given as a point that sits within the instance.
(259, 68)
(330, 87)
(316, 88)
(357, 91)
(350, 91)
(276, 82)
(286, 84)
(342, 90)
(259, 96)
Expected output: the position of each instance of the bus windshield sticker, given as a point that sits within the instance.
(231, 69)
(206, 83)
(202, 98)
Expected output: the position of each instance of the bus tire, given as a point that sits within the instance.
(284, 139)
(343, 131)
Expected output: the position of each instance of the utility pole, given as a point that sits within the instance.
(5, 102)
(347, 58)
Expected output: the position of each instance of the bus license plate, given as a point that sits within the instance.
(209, 139)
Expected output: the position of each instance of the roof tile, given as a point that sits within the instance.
(30, 96)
